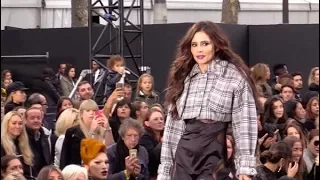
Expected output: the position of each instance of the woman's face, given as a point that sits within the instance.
(292, 131)
(131, 138)
(123, 112)
(19, 96)
(99, 166)
(13, 166)
(316, 76)
(87, 116)
(6, 82)
(315, 107)
(15, 126)
(229, 148)
(156, 121)
(144, 109)
(146, 84)
(313, 146)
(66, 104)
(55, 175)
(278, 109)
(9, 77)
(297, 152)
(72, 72)
(300, 112)
(202, 50)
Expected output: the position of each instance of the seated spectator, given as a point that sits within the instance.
(312, 112)
(158, 107)
(278, 70)
(39, 140)
(294, 130)
(75, 172)
(297, 154)
(152, 139)
(124, 165)
(120, 114)
(84, 92)
(287, 93)
(227, 171)
(277, 161)
(14, 141)
(311, 155)
(14, 176)
(63, 103)
(296, 113)
(21, 110)
(92, 125)
(95, 159)
(139, 111)
(69, 118)
(10, 164)
(313, 80)
(50, 172)
(16, 96)
(145, 90)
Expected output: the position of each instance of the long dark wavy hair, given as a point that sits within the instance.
(184, 62)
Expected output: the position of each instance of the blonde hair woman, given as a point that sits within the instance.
(75, 172)
(16, 96)
(261, 74)
(14, 140)
(313, 80)
(93, 124)
(67, 119)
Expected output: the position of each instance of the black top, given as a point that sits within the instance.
(10, 106)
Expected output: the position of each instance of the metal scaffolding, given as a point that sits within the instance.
(117, 15)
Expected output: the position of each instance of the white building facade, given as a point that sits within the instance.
(57, 13)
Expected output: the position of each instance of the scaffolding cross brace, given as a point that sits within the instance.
(117, 42)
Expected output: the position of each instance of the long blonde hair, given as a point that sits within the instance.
(7, 140)
(311, 75)
(68, 118)
(100, 132)
(138, 89)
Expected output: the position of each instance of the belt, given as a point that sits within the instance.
(207, 121)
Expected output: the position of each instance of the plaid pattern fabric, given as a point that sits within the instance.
(221, 94)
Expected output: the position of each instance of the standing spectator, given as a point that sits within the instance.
(261, 74)
(68, 80)
(313, 80)
(6, 78)
(139, 111)
(145, 90)
(61, 70)
(286, 93)
(98, 77)
(297, 85)
(278, 70)
(16, 96)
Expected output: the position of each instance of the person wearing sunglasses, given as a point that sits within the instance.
(311, 155)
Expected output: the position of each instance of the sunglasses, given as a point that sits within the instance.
(316, 143)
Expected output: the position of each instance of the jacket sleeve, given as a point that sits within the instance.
(64, 87)
(112, 163)
(245, 129)
(113, 78)
(145, 173)
(154, 151)
(171, 137)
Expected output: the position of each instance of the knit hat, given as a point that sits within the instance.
(89, 149)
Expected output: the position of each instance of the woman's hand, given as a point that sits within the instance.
(137, 168)
(117, 93)
(292, 170)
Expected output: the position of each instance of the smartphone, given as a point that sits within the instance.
(133, 153)
(98, 113)
(119, 85)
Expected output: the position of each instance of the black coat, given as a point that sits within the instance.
(154, 150)
(26, 168)
(70, 152)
